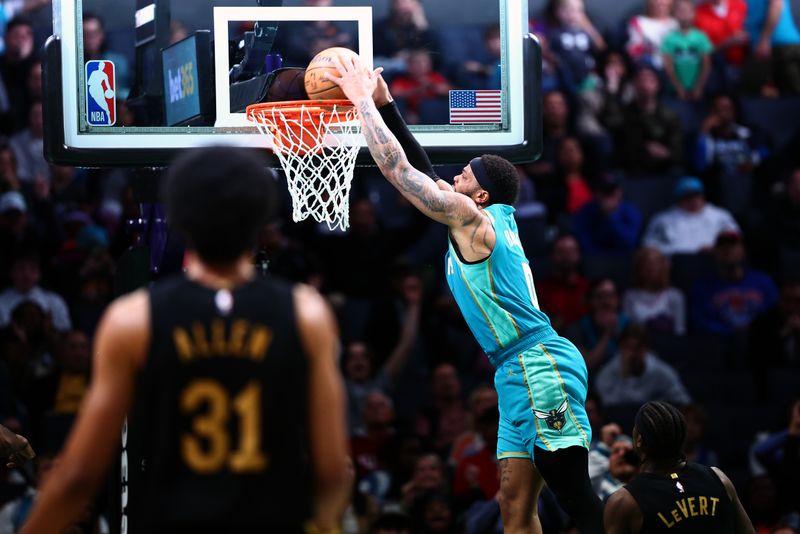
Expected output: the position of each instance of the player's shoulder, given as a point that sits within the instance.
(129, 310)
(126, 325)
(621, 513)
(621, 504)
(726, 482)
(310, 306)
(315, 323)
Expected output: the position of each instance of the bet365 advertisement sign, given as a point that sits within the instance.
(181, 92)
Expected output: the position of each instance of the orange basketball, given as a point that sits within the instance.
(317, 87)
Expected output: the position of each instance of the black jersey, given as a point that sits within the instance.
(221, 413)
(691, 500)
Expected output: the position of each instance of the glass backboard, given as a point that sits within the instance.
(129, 82)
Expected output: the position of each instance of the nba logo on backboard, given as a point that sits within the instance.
(101, 93)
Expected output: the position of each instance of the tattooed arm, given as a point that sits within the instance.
(471, 229)
(446, 207)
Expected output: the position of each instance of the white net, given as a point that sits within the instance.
(317, 147)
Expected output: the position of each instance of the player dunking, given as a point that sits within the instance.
(671, 494)
(541, 378)
(233, 375)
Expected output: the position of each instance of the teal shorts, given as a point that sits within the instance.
(542, 396)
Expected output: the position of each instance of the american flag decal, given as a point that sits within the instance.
(476, 107)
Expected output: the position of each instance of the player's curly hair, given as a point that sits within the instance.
(663, 430)
(218, 198)
(504, 176)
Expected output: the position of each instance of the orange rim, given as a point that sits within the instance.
(307, 110)
(295, 114)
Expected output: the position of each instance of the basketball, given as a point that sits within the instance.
(287, 85)
(109, 93)
(317, 87)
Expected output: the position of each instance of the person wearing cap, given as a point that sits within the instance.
(608, 224)
(691, 225)
(728, 300)
(14, 227)
(13, 200)
(25, 273)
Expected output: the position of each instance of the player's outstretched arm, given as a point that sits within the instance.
(743, 524)
(120, 348)
(452, 209)
(326, 404)
(14, 449)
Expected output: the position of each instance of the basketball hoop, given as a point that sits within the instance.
(317, 142)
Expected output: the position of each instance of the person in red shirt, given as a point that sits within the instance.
(723, 22)
(570, 159)
(476, 475)
(418, 83)
(562, 295)
(368, 447)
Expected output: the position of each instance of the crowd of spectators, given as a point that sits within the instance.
(662, 223)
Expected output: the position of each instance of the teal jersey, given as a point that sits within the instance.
(497, 296)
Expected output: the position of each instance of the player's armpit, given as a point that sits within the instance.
(619, 513)
(743, 523)
(121, 345)
(326, 403)
(475, 239)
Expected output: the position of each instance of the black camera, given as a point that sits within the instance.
(632, 457)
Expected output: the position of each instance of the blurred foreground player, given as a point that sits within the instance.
(671, 494)
(235, 376)
(541, 378)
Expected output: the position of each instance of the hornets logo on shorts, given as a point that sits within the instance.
(554, 419)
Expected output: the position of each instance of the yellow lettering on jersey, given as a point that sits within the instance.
(242, 341)
(689, 507)
(703, 501)
(260, 339)
(183, 345)
(681, 504)
(666, 521)
(239, 329)
(218, 342)
(200, 341)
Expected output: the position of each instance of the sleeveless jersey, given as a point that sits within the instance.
(497, 296)
(220, 414)
(690, 501)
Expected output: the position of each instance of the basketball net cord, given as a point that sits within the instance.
(317, 150)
